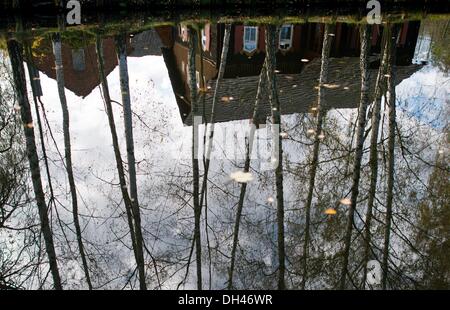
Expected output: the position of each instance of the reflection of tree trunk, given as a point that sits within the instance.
(194, 112)
(373, 157)
(223, 62)
(321, 112)
(249, 145)
(128, 120)
(208, 135)
(271, 48)
(15, 54)
(364, 100)
(138, 252)
(390, 102)
(56, 40)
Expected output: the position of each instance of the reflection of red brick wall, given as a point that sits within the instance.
(261, 39)
(165, 34)
(80, 82)
(238, 38)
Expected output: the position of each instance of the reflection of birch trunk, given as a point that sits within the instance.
(321, 112)
(128, 120)
(271, 48)
(373, 157)
(363, 103)
(15, 54)
(249, 145)
(210, 136)
(138, 252)
(56, 40)
(390, 102)
(195, 169)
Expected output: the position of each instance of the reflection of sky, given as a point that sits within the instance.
(424, 95)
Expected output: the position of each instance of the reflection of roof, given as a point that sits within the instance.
(297, 92)
(146, 43)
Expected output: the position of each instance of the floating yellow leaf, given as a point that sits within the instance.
(330, 211)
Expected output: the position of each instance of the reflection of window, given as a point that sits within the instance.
(286, 37)
(197, 78)
(204, 39)
(250, 38)
(78, 61)
(183, 32)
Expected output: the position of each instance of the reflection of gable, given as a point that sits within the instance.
(297, 92)
(81, 75)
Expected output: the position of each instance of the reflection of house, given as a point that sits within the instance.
(298, 66)
(81, 74)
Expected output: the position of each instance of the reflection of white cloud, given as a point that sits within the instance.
(424, 95)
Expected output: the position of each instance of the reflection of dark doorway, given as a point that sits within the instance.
(78, 60)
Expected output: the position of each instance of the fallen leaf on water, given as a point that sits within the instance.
(330, 211)
(345, 201)
(226, 99)
(331, 86)
(241, 177)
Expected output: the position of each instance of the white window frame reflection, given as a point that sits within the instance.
(285, 39)
(204, 39)
(250, 38)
